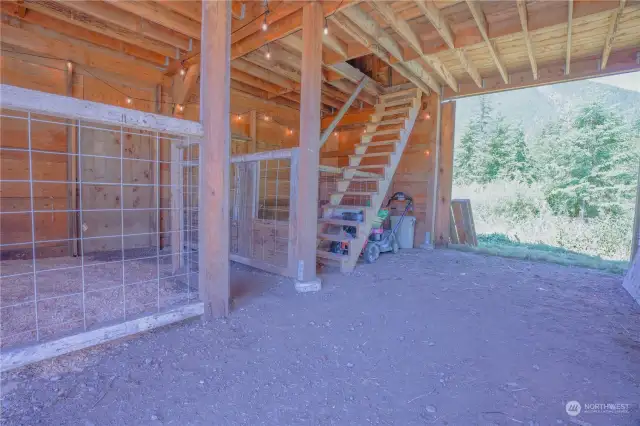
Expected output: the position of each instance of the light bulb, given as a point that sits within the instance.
(265, 26)
(69, 64)
(427, 116)
(129, 101)
(267, 55)
(180, 108)
(182, 72)
(326, 29)
(335, 134)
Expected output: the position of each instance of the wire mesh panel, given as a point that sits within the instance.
(96, 225)
(261, 209)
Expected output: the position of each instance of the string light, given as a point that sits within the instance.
(129, 101)
(265, 25)
(335, 134)
(182, 72)
(238, 117)
(427, 116)
(268, 54)
(289, 132)
(69, 64)
(267, 118)
(326, 27)
(180, 108)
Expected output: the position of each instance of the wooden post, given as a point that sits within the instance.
(445, 174)
(215, 86)
(72, 172)
(307, 184)
(177, 208)
(253, 132)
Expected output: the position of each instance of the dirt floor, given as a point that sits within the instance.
(423, 337)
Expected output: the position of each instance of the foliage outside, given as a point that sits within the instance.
(571, 186)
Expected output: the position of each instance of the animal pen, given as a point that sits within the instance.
(145, 145)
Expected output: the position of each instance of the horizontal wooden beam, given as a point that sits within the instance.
(589, 67)
(45, 21)
(20, 99)
(121, 18)
(161, 15)
(60, 12)
(65, 48)
(11, 359)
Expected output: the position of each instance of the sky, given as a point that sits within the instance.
(629, 81)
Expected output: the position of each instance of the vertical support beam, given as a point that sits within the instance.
(253, 131)
(215, 84)
(177, 207)
(72, 171)
(445, 174)
(309, 160)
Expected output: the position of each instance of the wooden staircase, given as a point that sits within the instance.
(364, 182)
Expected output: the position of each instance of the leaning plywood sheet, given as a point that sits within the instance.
(632, 280)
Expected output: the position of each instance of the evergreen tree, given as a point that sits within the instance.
(594, 162)
(497, 162)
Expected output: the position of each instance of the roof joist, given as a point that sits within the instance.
(611, 33)
(522, 12)
(407, 33)
(481, 22)
(433, 15)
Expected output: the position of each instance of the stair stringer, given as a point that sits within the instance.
(370, 213)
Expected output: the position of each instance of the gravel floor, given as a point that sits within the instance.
(441, 337)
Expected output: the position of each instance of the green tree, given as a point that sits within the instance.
(592, 164)
(469, 153)
(497, 161)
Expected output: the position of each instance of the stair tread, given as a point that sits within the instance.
(344, 207)
(338, 221)
(336, 237)
(388, 122)
(372, 154)
(355, 193)
(362, 179)
(367, 166)
(399, 101)
(399, 93)
(403, 110)
(382, 132)
(331, 256)
(376, 143)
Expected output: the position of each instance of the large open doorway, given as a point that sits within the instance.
(552, 171)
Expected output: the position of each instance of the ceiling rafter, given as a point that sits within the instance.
(522, 11)
(426, 83)
(433, 15)
(611, 33)
(34, 17)
(115, 16)
(59, 11)
(406, 32)
(481, 23)
(161, 15)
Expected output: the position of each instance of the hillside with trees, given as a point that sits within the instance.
(565, 176)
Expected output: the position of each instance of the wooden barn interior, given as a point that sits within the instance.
(144, 144)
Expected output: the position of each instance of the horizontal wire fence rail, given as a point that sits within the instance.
(98, 223)
(262, 210)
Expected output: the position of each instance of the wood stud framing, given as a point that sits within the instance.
(142, 41)
(522, 12)
(481, 22)
(567, 66)
(611, 33)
